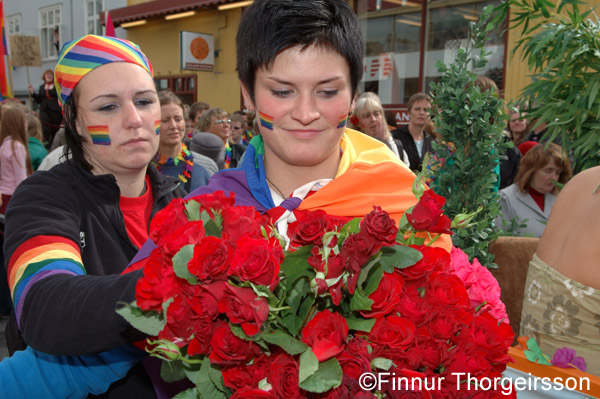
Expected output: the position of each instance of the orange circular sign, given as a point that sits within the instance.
(199, 48)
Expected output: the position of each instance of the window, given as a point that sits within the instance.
(13, 22)
(92, 16)
(404, 39)
(50, 20)
(184, 86)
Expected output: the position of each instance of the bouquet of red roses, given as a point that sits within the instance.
(338, 308)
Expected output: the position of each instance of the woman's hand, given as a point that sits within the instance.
(30, 88)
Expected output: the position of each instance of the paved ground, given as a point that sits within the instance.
(3, 350)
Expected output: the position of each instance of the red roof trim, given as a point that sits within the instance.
(159, 7)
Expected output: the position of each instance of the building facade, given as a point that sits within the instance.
(54, 22)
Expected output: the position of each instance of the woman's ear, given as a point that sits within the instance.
(248, 103)
(353, 103)
(79, 126)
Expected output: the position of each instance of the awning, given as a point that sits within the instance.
(158, 8)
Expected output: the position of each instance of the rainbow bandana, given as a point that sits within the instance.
(266, 120)
(78, 57)
(99, 134)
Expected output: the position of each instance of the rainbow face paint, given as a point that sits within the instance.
(99, 134)
(157, 127)
(266, 120)
(342, 121)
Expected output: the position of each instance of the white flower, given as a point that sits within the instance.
(534, 292)
(576, 291)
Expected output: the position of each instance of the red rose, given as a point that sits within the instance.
(204, 299)
(446, 324)
(242, 306)
(427, 214)
(189, 233)
(309, 228)
(229, 350)
(490, 337)
(252, 393)
(411, 305)
(358, 249)
(434, 259)
(354, 360)
(216, 200)
(326, 334)
(179, 322)
(257, 260)
(393, 332)
(379, 224)
(203, 332)
(158, 283)
(385, 297)
(336, 264)
(447, 291)
(211, 260)
(341, 392)
(168, 219)
(246, 375)
(466, 359)
(283, 377)
(240, 220)
(434, 352)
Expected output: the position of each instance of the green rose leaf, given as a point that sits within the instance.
(308, 365)
(360, 302)
(180, 263)
(360, 324)
(286, 342)
(212, 227)
(191, 393)
(192, 209)
(399, 257)
(295, 265)
(205, 384)
(327, 376)
(381, 363)
(150, 323)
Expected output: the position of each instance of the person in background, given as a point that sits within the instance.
(534, 191)
(50, 111)
(248, 131)
(37, 151)
(217, 122)
(237, 129)
(517, 126)
(561, 301)
(173, 157)
(415, 140)
(368, 116)
(15, 162)
(71, 232)
(196, 111)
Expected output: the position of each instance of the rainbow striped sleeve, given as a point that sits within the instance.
(40, 257)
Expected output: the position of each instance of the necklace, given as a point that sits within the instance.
(275, 187)
(228, 152)
(184, 156)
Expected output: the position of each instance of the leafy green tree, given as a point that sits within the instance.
(561, 45)
(470, 122)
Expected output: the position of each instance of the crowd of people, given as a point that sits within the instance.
(125, 151)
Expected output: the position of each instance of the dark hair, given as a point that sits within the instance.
(73, 141)
(269, 27)
(13, 126)
(536, 158)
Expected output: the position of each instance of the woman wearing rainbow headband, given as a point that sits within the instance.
(300, 63)
(70, 232)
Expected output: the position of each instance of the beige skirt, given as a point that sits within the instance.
(560, 312)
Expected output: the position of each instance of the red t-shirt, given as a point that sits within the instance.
(136, 212)
(538, 197)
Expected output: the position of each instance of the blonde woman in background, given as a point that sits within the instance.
(368, 117)
(37, 151)
(15, 163)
